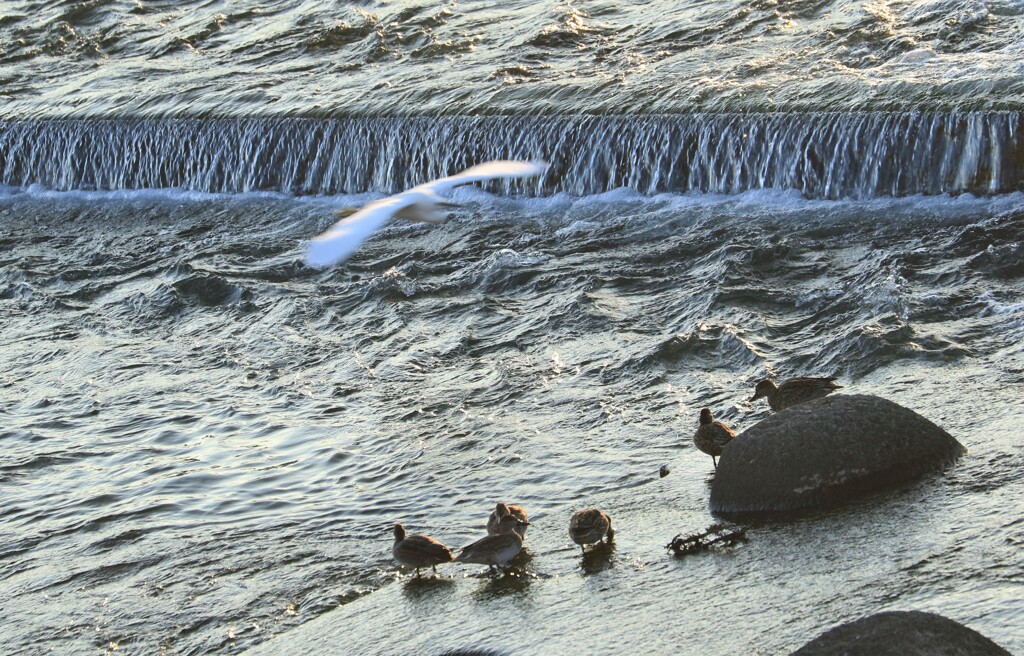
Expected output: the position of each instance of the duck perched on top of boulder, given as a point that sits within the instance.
(794, 390)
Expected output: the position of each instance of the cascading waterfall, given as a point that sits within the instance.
(822, 155)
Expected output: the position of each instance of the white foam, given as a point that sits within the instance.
(754, 202)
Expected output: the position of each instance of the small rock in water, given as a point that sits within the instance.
(664, 471)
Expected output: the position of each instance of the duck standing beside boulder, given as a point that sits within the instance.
(712, 435)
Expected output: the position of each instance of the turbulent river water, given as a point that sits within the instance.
(205, 442)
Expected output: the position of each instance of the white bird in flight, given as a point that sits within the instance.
(421, 203)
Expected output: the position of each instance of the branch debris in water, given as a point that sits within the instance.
(715, 534)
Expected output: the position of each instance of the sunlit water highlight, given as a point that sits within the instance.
(299, 57)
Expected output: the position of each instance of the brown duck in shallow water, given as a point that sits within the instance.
(419, 551)
(712, 435)
(794, 390)
(496, 550)
(501, 510)
(588, 526)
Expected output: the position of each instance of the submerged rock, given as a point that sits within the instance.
(208, 290)
(827, 451)
(901, 633)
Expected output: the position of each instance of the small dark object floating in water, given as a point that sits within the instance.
(664, 471)
(715, 534)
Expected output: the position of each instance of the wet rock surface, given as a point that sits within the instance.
(826, 452)
(902, 633)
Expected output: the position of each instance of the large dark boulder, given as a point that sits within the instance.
(901, 633)
(825, 452)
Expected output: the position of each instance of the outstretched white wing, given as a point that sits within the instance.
(487, 171)
(347, 235)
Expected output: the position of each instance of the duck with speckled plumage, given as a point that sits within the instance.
(712, 435)
(500, 511)
(496, 550)
(794, 390)
(419, 551)
(590, 526)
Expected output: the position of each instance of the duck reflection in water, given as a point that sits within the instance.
(511, 583)
(427, 588)
(598, 558)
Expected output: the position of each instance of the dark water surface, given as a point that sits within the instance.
(206, 443)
